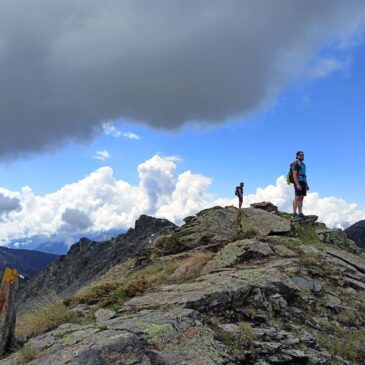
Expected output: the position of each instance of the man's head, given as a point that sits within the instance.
(300, 155)
(241, 184)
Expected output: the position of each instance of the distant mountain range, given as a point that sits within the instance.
(356, 232)
(27, 262)
(56, 245)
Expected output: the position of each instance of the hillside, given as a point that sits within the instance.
(228, 287)
(27, 262)
(86, 260)
(356, 232)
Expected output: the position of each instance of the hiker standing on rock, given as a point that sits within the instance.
(239, 194)
(300, 184)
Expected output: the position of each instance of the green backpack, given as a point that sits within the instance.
(289, 176)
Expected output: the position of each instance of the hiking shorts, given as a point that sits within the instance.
(302, 192)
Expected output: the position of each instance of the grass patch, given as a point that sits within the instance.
(346, 343)
(238, 342)
(156, 333)
(27, 354)
(49, 314)
(310, 260)
(138, 281)
(91, 295)
(307, 234)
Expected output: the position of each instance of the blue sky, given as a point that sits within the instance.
(307, 96)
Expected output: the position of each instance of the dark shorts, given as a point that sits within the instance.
(302, 192)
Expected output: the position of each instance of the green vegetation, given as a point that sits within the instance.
(156, 333)
(27, 354)
(310, 259)
(49, 313)
(92, 295)
(307, 234)
(346, 343)
(138, 281)
(238, 342)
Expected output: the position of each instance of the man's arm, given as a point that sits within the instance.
(295, 178)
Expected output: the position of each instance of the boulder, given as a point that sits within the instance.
(267, 206)
(103, 315)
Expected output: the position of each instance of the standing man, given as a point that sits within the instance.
(239, 194)
(300, 184)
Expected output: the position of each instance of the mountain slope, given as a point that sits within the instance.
(356, 232)
(229, 287)
(27, 262)
(86, 260)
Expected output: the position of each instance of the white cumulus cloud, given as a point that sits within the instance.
(100, 202)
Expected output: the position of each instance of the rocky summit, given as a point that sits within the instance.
(228, 287)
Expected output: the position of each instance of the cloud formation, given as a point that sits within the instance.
(67, 66)
(102, 155)
(99, 202)
(8, 204)
(75, 220)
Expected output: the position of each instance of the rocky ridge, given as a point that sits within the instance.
(356, 232)
(246, 286)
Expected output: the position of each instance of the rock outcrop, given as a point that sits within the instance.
(260, 289)
(356, 232)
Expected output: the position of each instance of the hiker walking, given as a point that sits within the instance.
(239, 194)
(300, 184)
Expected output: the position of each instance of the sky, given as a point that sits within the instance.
(113, 109)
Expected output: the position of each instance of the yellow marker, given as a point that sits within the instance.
(10, 276)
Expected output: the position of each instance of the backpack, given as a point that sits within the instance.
(289, 176)
(236, 192)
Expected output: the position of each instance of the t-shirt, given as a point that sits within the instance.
(301, 168)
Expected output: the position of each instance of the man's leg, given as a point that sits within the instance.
(295, 204)
(240, 203)
(300, 204)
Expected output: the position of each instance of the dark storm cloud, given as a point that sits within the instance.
(69, 65)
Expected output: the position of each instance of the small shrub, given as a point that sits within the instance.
(27, 354)
(49, 314)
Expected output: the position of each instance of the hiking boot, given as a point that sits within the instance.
(294, 216)
(301, 215)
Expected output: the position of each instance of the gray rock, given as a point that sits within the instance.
(309, 284)
(147, 338)
(318, 357)
(236, 252)
(263, 223)
(103, 315)
(267, 206)
(332, 301)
